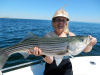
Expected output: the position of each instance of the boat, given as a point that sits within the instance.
(84, 65)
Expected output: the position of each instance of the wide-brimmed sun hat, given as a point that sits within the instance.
(61, 13)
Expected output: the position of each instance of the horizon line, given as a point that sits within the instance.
(49, 19)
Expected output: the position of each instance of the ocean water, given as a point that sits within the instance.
(12, 31)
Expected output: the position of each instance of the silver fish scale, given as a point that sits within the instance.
(54, 46)
(46, 40)
(17, 49)
(43, 43)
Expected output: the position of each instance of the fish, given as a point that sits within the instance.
(55, 46)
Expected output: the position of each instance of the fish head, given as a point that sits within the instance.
(78, 44)
(82, 40)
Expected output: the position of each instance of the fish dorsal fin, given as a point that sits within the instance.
(30, 35)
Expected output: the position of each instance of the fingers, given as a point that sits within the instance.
(40, 51)
(36, 51)
(93, 41)
(30, 52)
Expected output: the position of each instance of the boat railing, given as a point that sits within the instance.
(20, 65)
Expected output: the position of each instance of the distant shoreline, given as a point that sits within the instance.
(13, 18)
(23, 18)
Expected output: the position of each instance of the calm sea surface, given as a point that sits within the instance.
(12, 31)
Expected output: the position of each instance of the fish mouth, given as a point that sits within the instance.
(89, 37)
(88, 40)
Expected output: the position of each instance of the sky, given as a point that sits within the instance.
(78, 10)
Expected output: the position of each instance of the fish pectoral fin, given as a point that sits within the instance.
(58, 60)
(61, 52)
(25, 54)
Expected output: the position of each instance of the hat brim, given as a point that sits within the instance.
(59, 16)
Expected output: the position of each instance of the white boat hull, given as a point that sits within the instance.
(88, 65)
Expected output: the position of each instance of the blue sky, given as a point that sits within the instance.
(79, 10)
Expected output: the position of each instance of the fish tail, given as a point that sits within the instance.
(3, 59)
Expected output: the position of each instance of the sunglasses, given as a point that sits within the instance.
(59, 20)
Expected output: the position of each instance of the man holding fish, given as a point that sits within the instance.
(61, 66)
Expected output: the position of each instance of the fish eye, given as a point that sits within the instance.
(81, 40)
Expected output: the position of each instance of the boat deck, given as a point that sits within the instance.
(87, 65)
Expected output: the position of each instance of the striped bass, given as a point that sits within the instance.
(55, 46)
